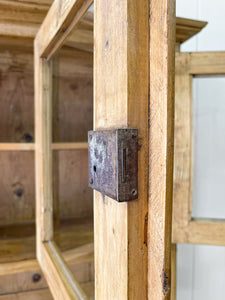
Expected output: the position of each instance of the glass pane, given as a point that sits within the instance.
(200, 272)
(72, 117)
(209, 147)
(17, 105)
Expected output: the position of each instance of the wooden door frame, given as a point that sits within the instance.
(133, 87)
(60, 20)
(187, 229)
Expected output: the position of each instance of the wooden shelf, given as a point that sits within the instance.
(69, 146)
(18, 241)
(31, 146)
(17, 146)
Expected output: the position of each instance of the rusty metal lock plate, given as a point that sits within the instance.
(113, 162)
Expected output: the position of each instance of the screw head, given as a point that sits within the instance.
(133, 192)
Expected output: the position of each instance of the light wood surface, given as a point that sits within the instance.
(185, 228)
(17, 146)
(26, 275)
(45, 294)
(22, 19)
(121, 100)
(60, 279)
(43, 153)
(186, 28)
(19, 240)
(161, 117)
(60, 20)
(69, 146)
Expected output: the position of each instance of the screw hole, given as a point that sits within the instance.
(94, 168)
(134, 192)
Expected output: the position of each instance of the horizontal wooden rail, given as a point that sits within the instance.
(77, 256)
(17, 146)
(51, 35)
(69, 146)
(31, 146)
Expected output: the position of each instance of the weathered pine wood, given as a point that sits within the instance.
(161, 117)
(18, 276)
(22, 19)
(59, 277)
(68, 146)
(43, 153)
(71, 184)
(17, 146)
(182, 194)
(185, 228)
(42, 294)
(205, 63)
(49, 38)
(20, 241)
(17, 189)
(45, 294)
(16, 123)
(121, 100)
(60, 20)
(186, 28)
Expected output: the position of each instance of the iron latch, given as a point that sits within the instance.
(113, 162)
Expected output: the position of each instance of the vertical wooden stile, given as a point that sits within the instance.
(161, 118)
(43, 151)
(121, 85)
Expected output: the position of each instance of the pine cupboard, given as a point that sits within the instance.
(44, 120)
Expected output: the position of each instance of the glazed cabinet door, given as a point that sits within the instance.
(133, 88)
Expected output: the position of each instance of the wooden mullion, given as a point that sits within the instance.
(43, 153)
(121, 100)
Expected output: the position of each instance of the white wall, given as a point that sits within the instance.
(201, 269)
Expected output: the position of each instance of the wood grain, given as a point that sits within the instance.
(17, 187)
(59, 277)
(182, 147)
(186, 28)
(17, 92)
(45, 294)
(59, 22)
(18, 244)
(121, 100)
(43, 153)
(185, 228)
(71, 184)
(161, 118)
